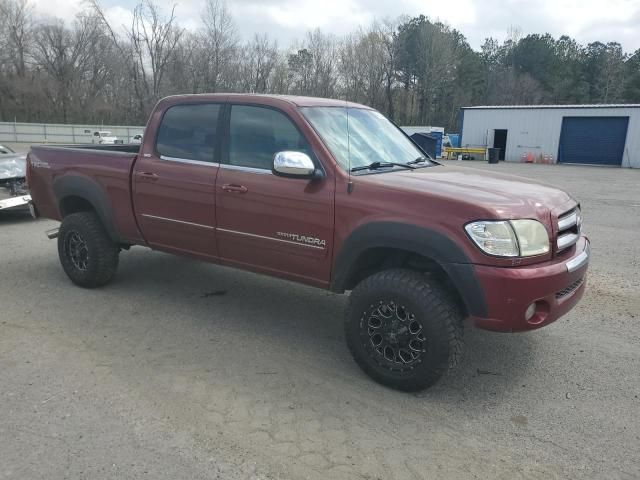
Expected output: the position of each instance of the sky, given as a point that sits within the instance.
(288, 20)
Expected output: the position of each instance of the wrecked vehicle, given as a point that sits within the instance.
(5, 150)
(13, 187)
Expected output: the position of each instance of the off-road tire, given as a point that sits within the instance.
(439, 316)
(100, 260)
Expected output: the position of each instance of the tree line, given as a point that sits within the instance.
(415, 70)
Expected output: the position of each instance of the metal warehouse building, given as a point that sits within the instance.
(580, 134)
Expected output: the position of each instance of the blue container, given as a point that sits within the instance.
(438, 137)
(454, 138)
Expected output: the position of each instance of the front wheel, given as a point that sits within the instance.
(403, 330)
(87, 254)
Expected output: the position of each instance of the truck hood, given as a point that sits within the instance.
(497, 195)
(12, 166)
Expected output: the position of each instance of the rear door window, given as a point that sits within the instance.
(189, 132)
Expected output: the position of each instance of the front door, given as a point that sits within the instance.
(281, 226)
(174, 181)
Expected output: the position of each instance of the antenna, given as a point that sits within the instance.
(349, 183)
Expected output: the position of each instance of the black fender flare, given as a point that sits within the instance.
(419, 240)
(73, 185)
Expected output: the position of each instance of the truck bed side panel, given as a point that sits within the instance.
(101, 174)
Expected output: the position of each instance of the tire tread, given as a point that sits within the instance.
(103, 250)
(432, 298)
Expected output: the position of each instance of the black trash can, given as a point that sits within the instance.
(493, 154)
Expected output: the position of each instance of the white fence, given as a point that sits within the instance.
(59, 133)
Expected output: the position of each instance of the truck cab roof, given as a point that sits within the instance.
(264, 99)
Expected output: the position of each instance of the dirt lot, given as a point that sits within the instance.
(184, 370)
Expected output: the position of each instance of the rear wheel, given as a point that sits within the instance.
(87, 254)
(403, 330)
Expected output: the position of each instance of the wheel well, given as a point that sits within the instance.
(75, 204)
(374, 260)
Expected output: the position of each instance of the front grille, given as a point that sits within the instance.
(570, 289)
(569, 224)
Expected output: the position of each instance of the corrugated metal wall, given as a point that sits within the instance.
(57, 133)
(534, 133)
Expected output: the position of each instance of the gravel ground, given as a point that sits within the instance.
(180, 369)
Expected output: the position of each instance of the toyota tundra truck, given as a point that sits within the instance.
(330, 194)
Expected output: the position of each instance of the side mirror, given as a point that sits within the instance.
(294, 165)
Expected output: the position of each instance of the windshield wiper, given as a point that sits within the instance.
(377, 165)
(417, 160)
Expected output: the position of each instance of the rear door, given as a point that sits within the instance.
(281, 226)
(174, 181)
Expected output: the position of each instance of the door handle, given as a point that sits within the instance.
(234, 188)
(148, 175)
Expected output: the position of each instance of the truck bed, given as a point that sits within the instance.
(60, 175)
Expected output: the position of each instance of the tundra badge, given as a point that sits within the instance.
(303, 239)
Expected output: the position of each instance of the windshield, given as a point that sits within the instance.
(371, 137)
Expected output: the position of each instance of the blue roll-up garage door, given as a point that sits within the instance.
(593, 140)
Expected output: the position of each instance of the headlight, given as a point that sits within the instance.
(514, 238)
(532, 237)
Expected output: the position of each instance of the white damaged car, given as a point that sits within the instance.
(13, 186)
(105, 137)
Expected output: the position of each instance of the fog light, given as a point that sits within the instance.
(531, 310)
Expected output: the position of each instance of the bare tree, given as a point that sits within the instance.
(220, 42)
(280, 79)
(72, 59)
(323, 49)
(386, 31)
(17, 31)
(257, 63)
(16, 37)
(149, 43)
(413, 69)
(188, 66)
(300, 66)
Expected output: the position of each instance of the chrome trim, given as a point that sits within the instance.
(568, 221)
(252, 235)
(178, 221)
(579, 261)
(261, 171)
(298, 164)
(187, 160)
(565, 241)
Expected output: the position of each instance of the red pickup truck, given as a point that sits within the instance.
(330, 194)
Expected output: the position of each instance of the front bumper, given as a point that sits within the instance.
(555, 287)
(15, 202)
